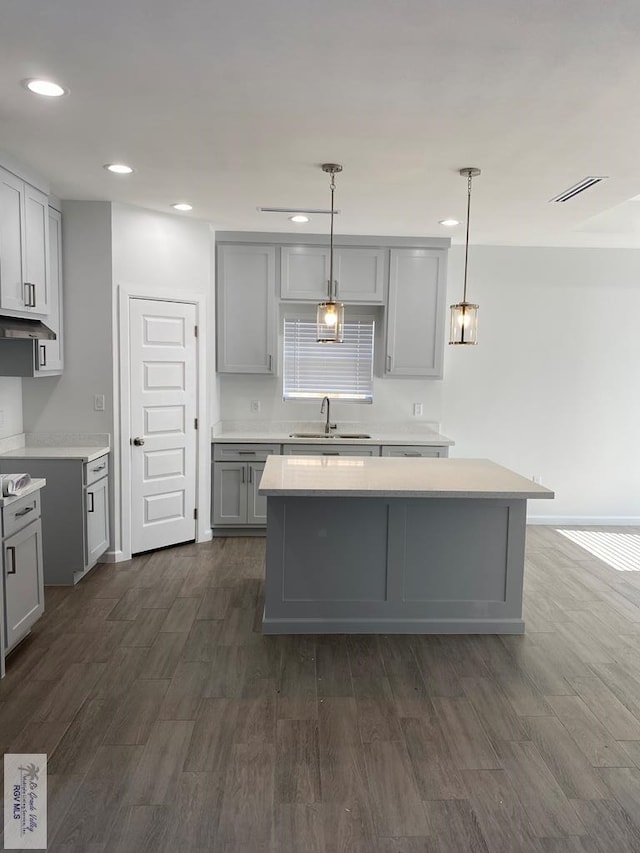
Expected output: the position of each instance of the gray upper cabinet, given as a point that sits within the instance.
(50, 359)
(304, 273)
(416, 313)
(24, 237)
(359, 273)
(246, 309)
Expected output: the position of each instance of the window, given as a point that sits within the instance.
(340, 371)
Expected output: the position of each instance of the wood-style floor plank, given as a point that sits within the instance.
(171, 723)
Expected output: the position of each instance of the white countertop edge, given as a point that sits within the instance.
(430, 440)
(404, 493)
(34, 486)
(82, 454)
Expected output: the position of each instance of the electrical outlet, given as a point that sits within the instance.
(1, 417)
(417, 410)
(98, 402)
(537, 478)
(255, 405)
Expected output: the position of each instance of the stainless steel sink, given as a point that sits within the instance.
(311, 435)
(330, 435)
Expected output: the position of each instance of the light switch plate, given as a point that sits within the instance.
(98, 402)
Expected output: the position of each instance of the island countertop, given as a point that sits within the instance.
(394, 477)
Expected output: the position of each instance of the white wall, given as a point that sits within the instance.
(551, 390)
(552, 387)
(65, 403)
(158, 254)
(10, 406)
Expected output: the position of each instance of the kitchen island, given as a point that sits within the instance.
(389, 545)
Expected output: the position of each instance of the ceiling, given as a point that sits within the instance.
(233, 105)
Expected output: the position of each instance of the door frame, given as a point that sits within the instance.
(122, 446)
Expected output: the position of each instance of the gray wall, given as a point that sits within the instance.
(65, 403)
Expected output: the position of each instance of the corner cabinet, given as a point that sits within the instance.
(24, 240)
(359, 273)
(246, 318)
(75, 518)
(416, 313)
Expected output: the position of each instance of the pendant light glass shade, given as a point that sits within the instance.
(464, 323)
(330, 314)
(463, 328)
(330, 322)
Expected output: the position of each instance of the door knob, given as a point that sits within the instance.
(138, 442)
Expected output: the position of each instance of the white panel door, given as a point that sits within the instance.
(163, 372)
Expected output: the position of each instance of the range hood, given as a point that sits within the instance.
(20, 328)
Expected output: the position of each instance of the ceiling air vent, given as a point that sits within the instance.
(293, 210)
(580, 187)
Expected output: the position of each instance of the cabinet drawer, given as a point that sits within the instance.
(413, 450)
(331, 449)
(17, 515)
(244, 452)
(96, 470)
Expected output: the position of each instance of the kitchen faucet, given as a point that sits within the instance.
(328, 426)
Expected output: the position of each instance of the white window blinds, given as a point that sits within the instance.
(340, 371)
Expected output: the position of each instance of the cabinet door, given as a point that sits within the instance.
(12, 250)
(304, 273)
(36, 234)
(256, 503)
(246, 309)
(23, 582)
(229, 493)
(416, 313)
(97, 519)
(360, 275)
(50, 353)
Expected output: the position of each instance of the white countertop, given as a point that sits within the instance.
(394, 477)
(84, 454)
(425, 439)
(33, 486)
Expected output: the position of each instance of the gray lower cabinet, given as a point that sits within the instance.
(23, 598)
(408, 450)
(331, 449)
(235, 477)
(97, 520)
(75, 513)
(236, 471)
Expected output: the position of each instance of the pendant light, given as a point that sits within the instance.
(330, 314)
(464, 315)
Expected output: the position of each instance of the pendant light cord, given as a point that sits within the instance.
(466, 251)
(333, 188)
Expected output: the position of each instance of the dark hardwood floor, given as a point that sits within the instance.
(172, 724)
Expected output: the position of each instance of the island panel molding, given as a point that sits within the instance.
(388, 545)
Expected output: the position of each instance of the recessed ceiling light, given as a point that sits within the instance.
(118, 168)
(449, 222)
(299, 217)
(45, 87)
(182, 205)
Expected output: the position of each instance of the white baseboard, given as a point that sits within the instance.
(113, 557)
(204, 536)
(585, 520)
